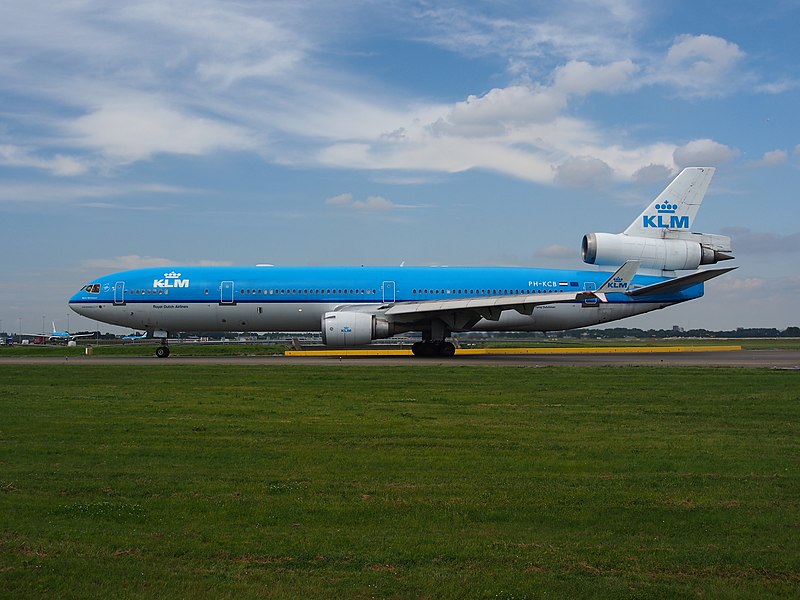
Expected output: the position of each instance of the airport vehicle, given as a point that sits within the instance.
(353, 306)
(58, 336)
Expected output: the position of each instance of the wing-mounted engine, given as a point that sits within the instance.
(661, 238)
(345, 329)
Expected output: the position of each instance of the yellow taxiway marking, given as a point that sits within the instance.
(488, 351)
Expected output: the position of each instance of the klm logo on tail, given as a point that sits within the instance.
(666, 218)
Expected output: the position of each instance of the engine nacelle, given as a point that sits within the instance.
(662, 254)
(346, 329)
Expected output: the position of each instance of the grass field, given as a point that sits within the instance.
(424, 482)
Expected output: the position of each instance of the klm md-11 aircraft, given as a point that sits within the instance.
(353, 306)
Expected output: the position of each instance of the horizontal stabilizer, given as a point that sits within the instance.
(672, 286)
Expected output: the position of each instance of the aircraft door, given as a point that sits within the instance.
(119, 293)
(226, 293)
(388, 290)
(590, 286)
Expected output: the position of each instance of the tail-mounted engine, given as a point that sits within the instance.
(678, 251)
(661, 238)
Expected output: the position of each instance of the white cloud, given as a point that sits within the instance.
(580, 77)
(652, 174)
(557, 251)
(196, 78)
(136, 129)
(98, 196)
(574, 29)
(778, 87)
(701, 65)
(772, 158)
(494, 112)
(583, 171)
(371, 204)
(59, 164)
(133, 261)
(705, 152)
(502, 109)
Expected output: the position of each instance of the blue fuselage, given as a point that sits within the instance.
(295, 298)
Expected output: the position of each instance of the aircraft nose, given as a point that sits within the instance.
(78, 308)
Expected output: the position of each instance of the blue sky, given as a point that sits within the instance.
(457, 133)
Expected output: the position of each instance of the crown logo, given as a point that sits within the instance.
(666, 209)
(172, 275)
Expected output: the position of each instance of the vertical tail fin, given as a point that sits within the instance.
(676, 207)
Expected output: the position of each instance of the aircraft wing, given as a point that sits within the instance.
(486, 306)
(462, 312)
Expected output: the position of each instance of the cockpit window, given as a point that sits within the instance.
(92, 288)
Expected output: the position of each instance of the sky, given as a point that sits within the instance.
(198, 132)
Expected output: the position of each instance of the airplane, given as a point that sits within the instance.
(354, 306)
(59, 336)
(135, 336)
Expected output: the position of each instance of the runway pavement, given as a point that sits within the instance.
(768, 359)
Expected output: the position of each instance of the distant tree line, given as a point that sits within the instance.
(623, 332)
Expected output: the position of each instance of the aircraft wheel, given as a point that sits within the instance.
(424, 349)
(162, 351)
(447, 349)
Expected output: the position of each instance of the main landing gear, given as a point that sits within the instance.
(163, 350)
(430, 349)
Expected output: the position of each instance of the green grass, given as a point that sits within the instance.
(357, 482)
(142, 349)
(745, 343)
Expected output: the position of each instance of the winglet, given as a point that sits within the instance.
(620, 281)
